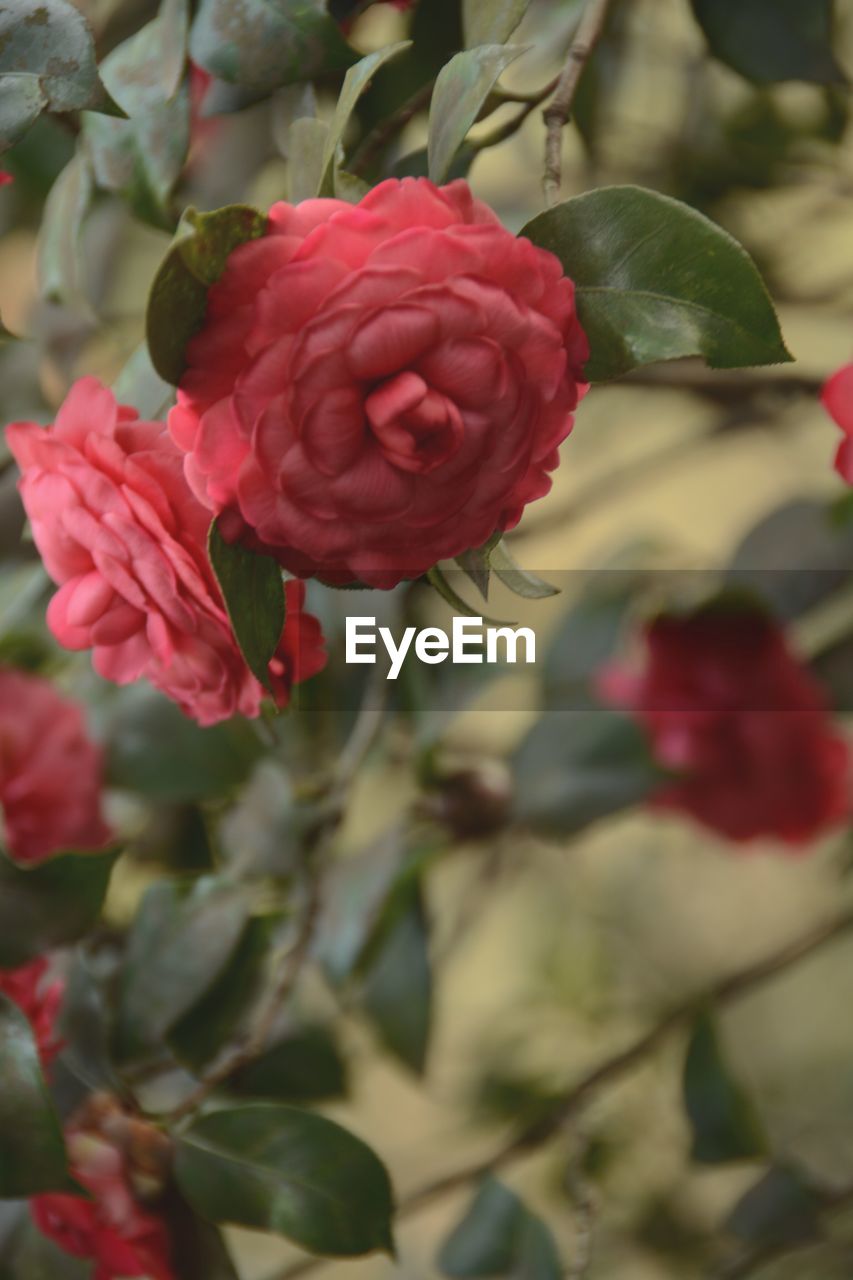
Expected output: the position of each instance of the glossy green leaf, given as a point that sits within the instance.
(771, 40)
(198, 1251)
(195, 261)
(356, 81)
(724, 1122)
(52, 39)
(32, 1151)
(278, 1169)
(153, 749)
(181, 942)
(174, 29)
(50, 905)
(491, 21)
(253, 592)
(397, 985)
(656, 280)
(462, 87)
(304, 1065)
(264, 44)
(59, 258)
(22, 101)
(498, 1236)
(141, 157)
(575, 767)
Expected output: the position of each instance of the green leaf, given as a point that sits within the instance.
(139, 384)
(36, 1257)
(575, 767)
(253, 592)
(278, 1169)
(356, 81)
(724, 1122)
(59, 263)
(780, 1210)
(85, 1029)
(586, 639)
(264, 44)
(491, 21)
(153, 749)
(32, 1150)
(22, 101)
(437, 579)
(305, 1065)
(520, 581)
(195, 261)
(181, 942)
(498, 1236)
(141, 157)
(656, 280)
(174, 31)
(306, 147)
(462, 87)
(50, 905)
(397, 991)
(771, 40)
(52, 40)
(198, 1251)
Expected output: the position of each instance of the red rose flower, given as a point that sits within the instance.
(38, 996)
(122, 534)
(380, 386)
(838, 401)
(741, 724)
(114, 1229)
(50, 773)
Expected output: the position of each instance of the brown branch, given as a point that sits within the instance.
(723, 992)
(557, 114)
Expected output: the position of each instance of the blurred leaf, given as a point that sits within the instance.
(59, 262)
(32, 1150)
(180, 943)
(585, 641)
(780, 1209)
(198, 1251)
(140, 384)
(155, 750)
(498, 1236)
(253, 592)
(37, 1258)
(52, 40)
(174, 27)
(656, 280)
(575, 767)
(141, 157)
(278, 1169)
(50, 905)
(491, 21)
(195, 261)
(724, 1122)
(304, 1066)
(356, 81)
(520, 581)
(770, 40)
(397, 991)
(85, 1028)
(306, 149)
(462, 87)
(213, 1021)
(22, 101)
(262, 45)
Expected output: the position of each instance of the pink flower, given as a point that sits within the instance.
(838, 401)
(6, 178)
(38, 996)
(114, 1229)
(124, 537)
(741, 724)
(381, 386)
(50, 773)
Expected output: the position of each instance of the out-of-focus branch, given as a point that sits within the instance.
(556, 115)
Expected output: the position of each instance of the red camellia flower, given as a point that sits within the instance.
(50, 773)
(741, 724)
(380, 386)
(838, 400)
(114, 1229)
(38, 996)
(122, 534)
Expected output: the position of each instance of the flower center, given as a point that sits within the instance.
(416, 427)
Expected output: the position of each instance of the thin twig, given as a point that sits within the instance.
(556, 115)
(723, 992)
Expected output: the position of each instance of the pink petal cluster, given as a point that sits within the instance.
(380, 386)
(38, 995)
(741, 724)
(838, 401)
(125, 539)
(50, 773)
